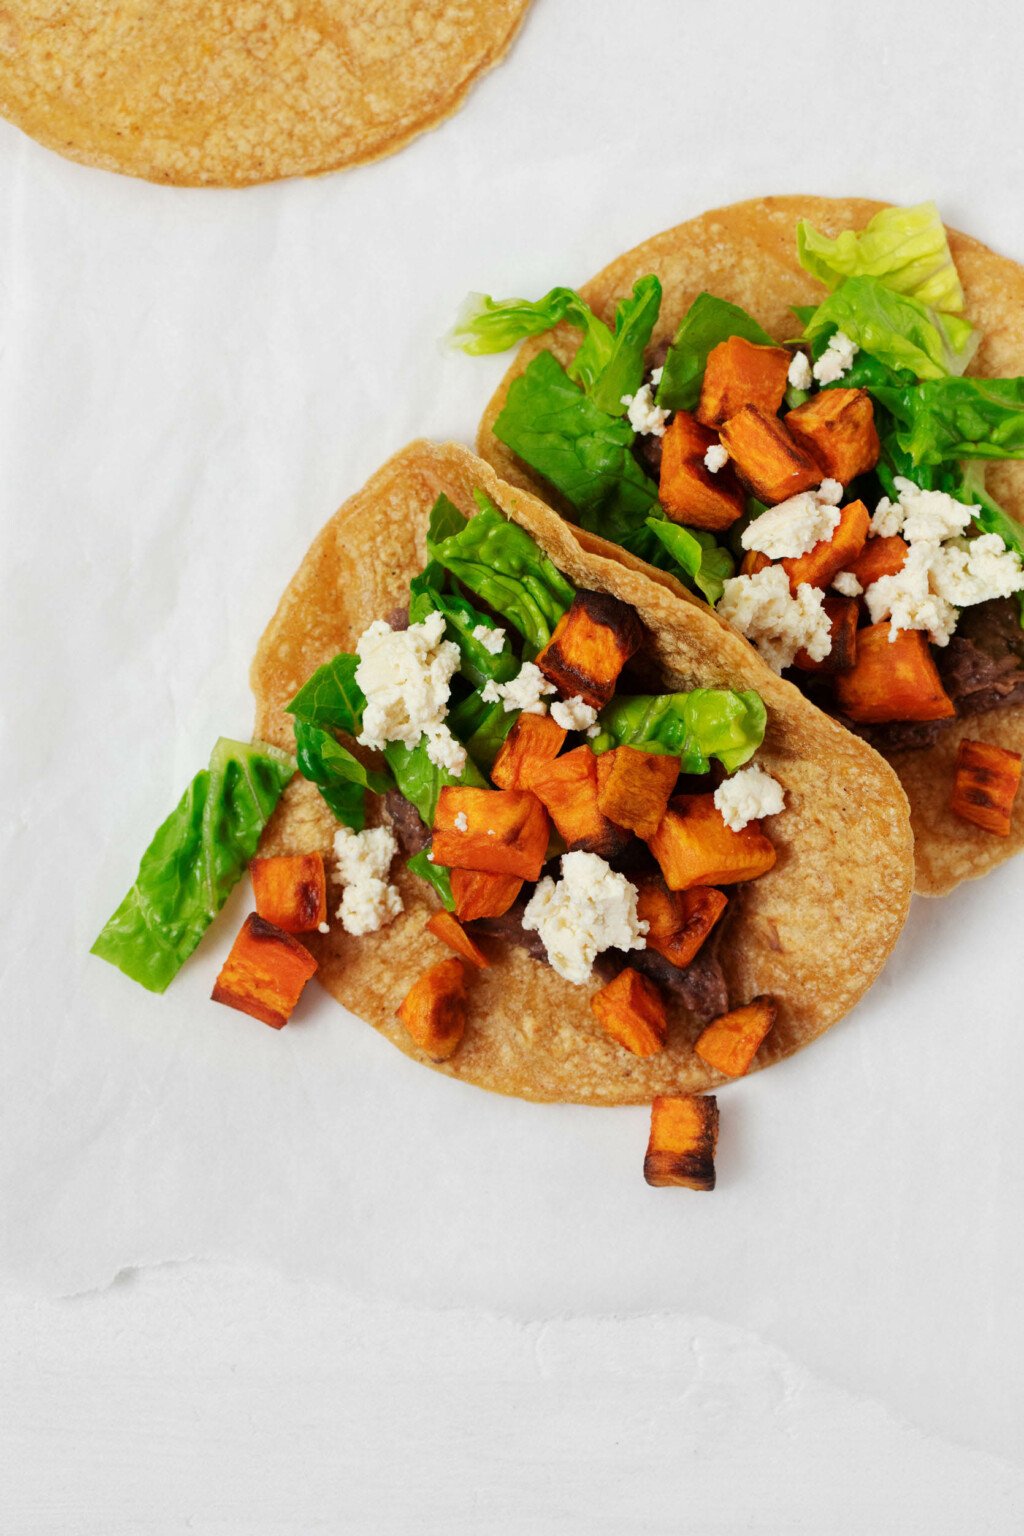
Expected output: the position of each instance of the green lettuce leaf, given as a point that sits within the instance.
(704, 563)
(696, 726)
(896, 329)
(621, 371)
(707, 322)
(950, 419)
(445, 520)
(421, 781)
(435, 874)
(340, 777)
(332, 699)
(905, 248)
(196, 857)
(477, 663)
(481, 727)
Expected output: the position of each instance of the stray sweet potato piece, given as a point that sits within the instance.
(694, 846)
(434, 1009)
(730, 1043)
(568, 789)
(773, 464)
(501, 831)
(838, 427)
(533, 741)
(291, 891)
(632, 1010)
(687, 490)
(738, 373)
(985, 785)
(591, 644)
(634, 788)
(892, 680)
(830, 556)
(265, 972)
(879, 557)
(478, 894)
(752, 562)
(843, 614)
(451, 932)
(678, 922)
(681, 1149)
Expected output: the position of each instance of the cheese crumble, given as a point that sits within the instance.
(362, 863)
(799, 375)
(762, 608)
(644, 416)
(406, 676)
(590, 909)
(573, 714)
(836, 359)
(526, 691)
(716, 458)
(747, 796)
(794, 527)
(492, 640)
(846, 584)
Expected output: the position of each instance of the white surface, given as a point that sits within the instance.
(189, 384)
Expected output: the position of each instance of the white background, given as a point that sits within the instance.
(260, 1283)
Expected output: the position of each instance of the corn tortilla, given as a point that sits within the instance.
(747, 253)
(242, 91)
(815, 931)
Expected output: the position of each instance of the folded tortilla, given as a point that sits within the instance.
(814, 931)
(747, 253)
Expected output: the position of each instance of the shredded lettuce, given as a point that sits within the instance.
(696, 726)
(707, 322)
(896, 329)
(340, 777)
(196, 857)
(705, 564)
(435, 874)
(949, 419)
(904, 248)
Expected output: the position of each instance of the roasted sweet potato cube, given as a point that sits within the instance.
(739, 373)
(879, 557)
(533, 741)
(632, 1010)
(291, 891)
(830, 556)
(591, 644)
(478, 894)
(771, 462)
(678, 921)
(502, 831)
(843, 615)
(568, 789)
(693, 846)
(265, 972)
(985, 785)
(451, 932)
(730, 1043)
(892, 679)
(634, 788)
(687, 490)
(838, 428)
(681, 1149)
(752, 562)
(434, 1009)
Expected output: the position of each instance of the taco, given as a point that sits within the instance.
(786, 408)
(531, 770)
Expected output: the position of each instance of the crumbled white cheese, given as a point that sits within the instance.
(595, 730)
(970, 571)
(644, 415)
(794, 526)
(938, 579)
(492, 640)
(716, 458)
(323, 927)
(656, 374)
(762, 608)
(526, 691)
(907, 599)
(590, 909)
(363, 860)
(830, 491)
(461, 822)
(406, 676)
(799, 375)
(921, 515)
(747, 796)
(847, 585)
(836, 359)
(573, 714)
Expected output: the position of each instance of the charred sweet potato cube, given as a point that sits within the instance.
(265, 972)
(568, 789)
(451, 932)
(892, 680)
(533, 741)
(843, 615)
(478, 894)
(752, 562)
(434, 1009)
(290, 891)
(880, 557)
(693, 846)
(738, 373)
(687, 490)
(681, 1149)
(501, 831)
(830, 556)
(632, 1010)
(985, 785)
(634, 788)
(678, 922)
(730, 1043)
(771, 462)
(838, 427)
(591, 644)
